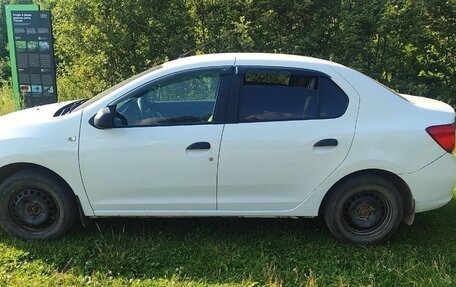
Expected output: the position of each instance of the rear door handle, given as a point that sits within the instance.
(199, 146)
(327, 142)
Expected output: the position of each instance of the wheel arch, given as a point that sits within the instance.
(10, 169)
(397, 181)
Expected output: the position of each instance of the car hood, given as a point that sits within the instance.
(30, 116)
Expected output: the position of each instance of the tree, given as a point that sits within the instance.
(99, 43)
(408, 45)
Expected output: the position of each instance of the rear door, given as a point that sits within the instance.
(289, 130)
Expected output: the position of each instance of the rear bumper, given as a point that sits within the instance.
(432, 186)
(430, 205)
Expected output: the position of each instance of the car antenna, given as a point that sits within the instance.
(208, 42)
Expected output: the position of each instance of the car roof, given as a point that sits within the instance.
(237, 57)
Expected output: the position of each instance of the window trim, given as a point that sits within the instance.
(225, 75)
(293, 70)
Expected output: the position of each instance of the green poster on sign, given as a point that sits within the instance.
(12, 48)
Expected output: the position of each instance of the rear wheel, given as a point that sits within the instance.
(35, 204)
(364, 210)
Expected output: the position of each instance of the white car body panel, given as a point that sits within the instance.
(265, 165)
(397, 144)
(34, 136)
(430, 185)
(121, 174)
(192, 188)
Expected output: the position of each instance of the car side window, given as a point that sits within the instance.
(271, 95)
(332, 100)
(188, 99)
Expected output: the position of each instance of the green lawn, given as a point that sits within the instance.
(233, 252)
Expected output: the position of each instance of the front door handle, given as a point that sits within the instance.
(199, 146)
(327, 142)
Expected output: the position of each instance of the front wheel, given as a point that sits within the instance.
(364, 210)
(36, 205)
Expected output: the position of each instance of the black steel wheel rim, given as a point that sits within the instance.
(33, 209)
(367, 213)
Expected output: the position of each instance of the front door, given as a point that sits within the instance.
(163, 152)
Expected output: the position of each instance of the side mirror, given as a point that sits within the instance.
(104, 119)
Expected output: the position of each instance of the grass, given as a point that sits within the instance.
(7, 104)
(232, 252)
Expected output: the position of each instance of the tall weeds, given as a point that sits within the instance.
(7, 104)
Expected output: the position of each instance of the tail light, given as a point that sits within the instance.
(444, 135)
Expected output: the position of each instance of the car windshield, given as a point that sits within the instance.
(113, 88)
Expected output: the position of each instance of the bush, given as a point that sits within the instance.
(7, 104)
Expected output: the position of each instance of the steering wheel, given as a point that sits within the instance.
(122, 118)
(156, 114)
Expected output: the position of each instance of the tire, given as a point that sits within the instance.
(364, 210)
(36, 205)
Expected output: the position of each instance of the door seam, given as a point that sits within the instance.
(218, 165)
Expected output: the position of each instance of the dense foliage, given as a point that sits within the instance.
(409, 45)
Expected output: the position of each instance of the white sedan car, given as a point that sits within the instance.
(257, 135)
